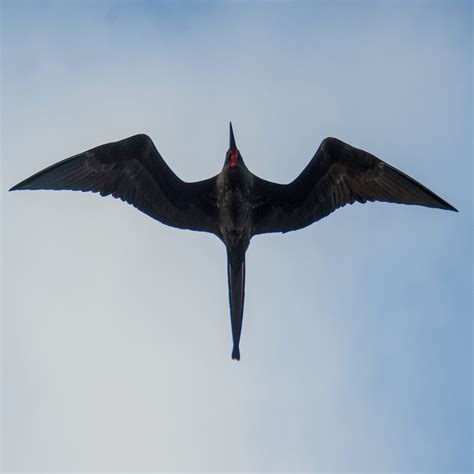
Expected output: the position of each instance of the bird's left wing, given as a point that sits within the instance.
(338, 174)
(134, 171)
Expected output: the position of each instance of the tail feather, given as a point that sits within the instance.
(236, 353)
(236, 279)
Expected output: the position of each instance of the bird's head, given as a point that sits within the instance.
(233, 154)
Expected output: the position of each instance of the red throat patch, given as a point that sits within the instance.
(234, 156)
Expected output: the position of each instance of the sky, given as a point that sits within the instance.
(357, 338)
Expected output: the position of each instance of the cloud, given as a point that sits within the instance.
(356, 349)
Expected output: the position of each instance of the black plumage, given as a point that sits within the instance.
(134, 171)
(234, 205)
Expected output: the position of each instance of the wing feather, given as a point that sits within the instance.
(338, 174)
(134, 171)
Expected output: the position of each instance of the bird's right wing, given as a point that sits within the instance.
(134, 171)
(338, 174)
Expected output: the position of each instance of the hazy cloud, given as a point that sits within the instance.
(357, 338)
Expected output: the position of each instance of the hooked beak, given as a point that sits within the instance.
(234, 153)
(232, 144)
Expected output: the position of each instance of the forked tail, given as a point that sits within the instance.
(236, 280)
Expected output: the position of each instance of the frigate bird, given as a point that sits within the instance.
(234, 205)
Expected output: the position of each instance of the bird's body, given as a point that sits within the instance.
(234, 189)
(235, 205)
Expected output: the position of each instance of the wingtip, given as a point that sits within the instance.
(22, 185)
(446, 206)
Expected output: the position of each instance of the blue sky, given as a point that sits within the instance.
(357, 339)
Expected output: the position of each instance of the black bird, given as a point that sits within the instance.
(234, 205)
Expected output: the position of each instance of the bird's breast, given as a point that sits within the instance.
(235, 212)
